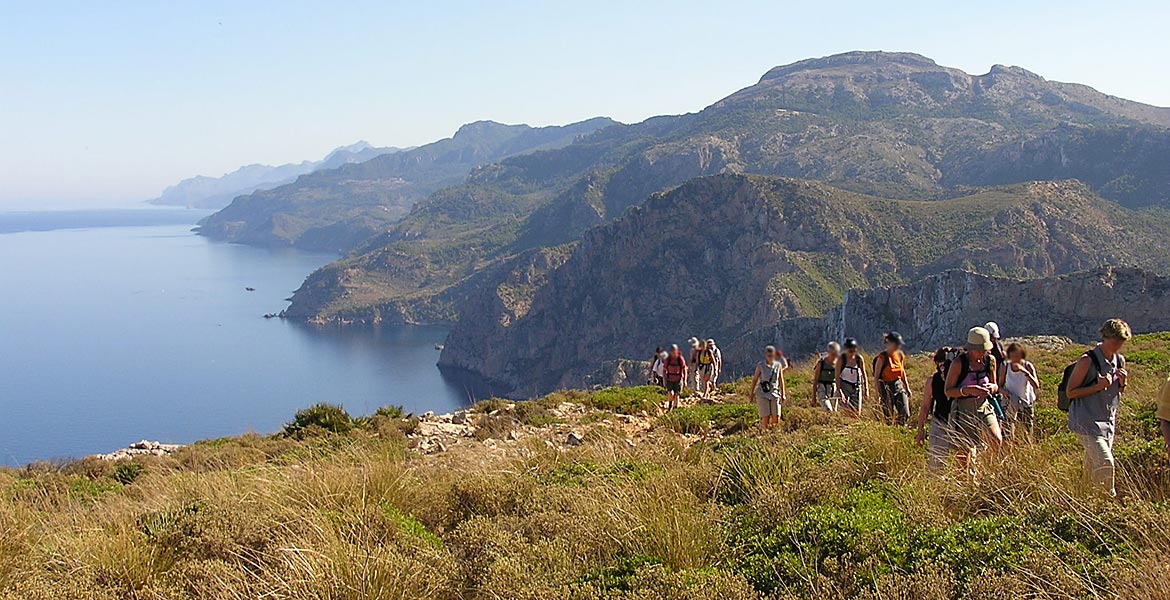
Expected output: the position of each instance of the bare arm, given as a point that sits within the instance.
(1079, 388)
(783, 389)
(953, 389)
(816, 378)
(1033, 378)
(924, 411)
(755, 382)
(1165, 426)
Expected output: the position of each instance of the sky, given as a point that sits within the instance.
(106, 103)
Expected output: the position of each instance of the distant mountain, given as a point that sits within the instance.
(336, 209)
(217, 192)
(730, 255)
(893, 125)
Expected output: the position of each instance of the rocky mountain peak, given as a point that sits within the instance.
(476, 128)
(1012, 71)
(868, 59)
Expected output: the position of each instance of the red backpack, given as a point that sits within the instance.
(674, 368)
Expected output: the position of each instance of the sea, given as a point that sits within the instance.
(123, 325)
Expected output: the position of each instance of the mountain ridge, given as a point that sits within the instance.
(203, 191)
(337, 209)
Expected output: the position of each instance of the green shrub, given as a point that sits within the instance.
(323, 417)
(126, 473)
(628, 400)
(390, 412)
(410, 525)
(705, 417)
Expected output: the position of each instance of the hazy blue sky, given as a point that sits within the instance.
(108, 102)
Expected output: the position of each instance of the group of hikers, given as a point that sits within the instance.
(980, 395)
(670, 370)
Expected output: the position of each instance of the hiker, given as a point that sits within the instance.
(997, 349)
(768, 383)
(825, 390)
(1094, 392)
(718, 361)
(706, 370)
(970, 385)
(693, 360)
(656, 365)
(1162, 414)
(674, 374)
(889, 371)
(851, 379)
(936, 407)
(1022, 385)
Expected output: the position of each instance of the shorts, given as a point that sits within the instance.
(706, 370)
(827, 396)
(673, 386)
(768, 406)
(938, 444)
(852, 393)
(970, 420)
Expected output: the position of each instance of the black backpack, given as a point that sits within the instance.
(1063, 402)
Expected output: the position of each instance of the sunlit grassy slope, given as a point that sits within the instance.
(699, 506)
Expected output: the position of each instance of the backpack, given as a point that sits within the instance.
(828, 374)
(940, 402)
(674, 368)
(1063, 402)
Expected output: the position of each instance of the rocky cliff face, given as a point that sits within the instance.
(938, 310)
(732, 256)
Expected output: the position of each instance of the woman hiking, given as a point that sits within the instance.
(851, 379)
(674, 374)
(889, 371)
(1092, 412)
(706, 369)
(768, 383)
(970, 384)
(656, 365)
(825, 390)
(936, 407)
(1018, 378)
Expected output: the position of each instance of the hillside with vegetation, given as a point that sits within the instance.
(891, 125)
(751, 260)
(593, 495)
(336, 209)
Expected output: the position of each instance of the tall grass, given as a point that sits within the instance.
(825, 507)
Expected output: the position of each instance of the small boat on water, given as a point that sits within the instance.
(270, 315)
(439, 347)
(249, 289)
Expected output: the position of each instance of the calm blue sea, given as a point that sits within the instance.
(122, 325)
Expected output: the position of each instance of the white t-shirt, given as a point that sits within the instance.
(1018, 385)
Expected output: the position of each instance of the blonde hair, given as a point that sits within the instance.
(1116, 329)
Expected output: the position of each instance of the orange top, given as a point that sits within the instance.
(895, 367)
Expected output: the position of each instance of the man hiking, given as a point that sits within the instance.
(1162, 414)
(768, 383)
(851, 379)
(889, 371)
(1094, 392)
(674, 370)
(825, 390)
(971, 383)
(693, 361)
